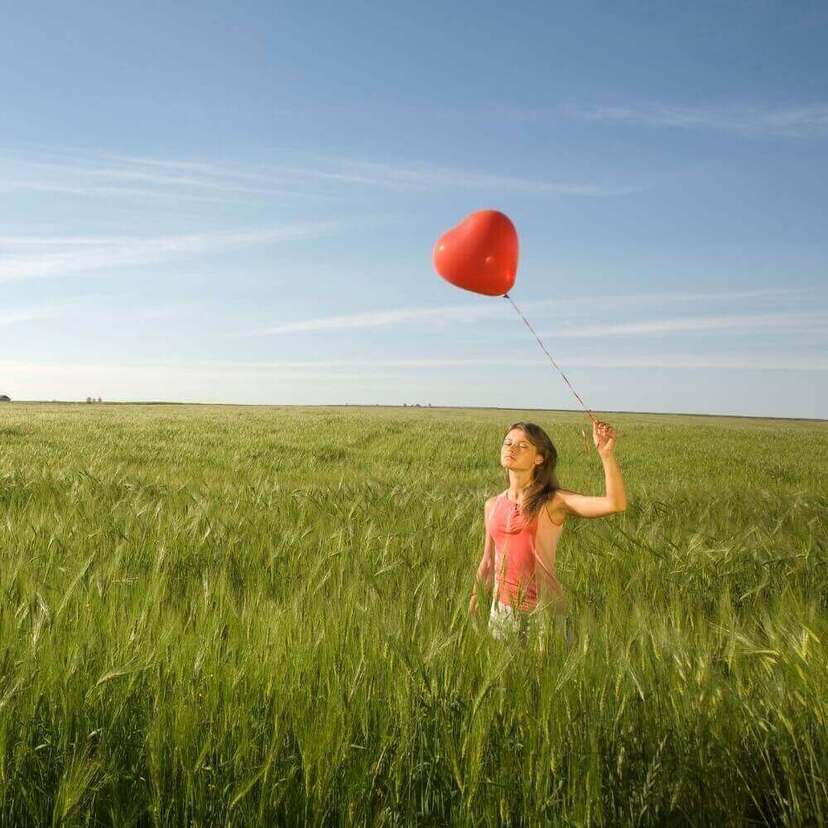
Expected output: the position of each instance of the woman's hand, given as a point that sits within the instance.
(603, 435)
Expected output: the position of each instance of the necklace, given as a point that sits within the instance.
(515, 503)
(514, 523)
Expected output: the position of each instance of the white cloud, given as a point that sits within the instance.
(751, 322)
(494, 308)
(47, 186)
(663, 297)
(12, 316)
(354, 172)
(527, 382)
(792, 122)
(366, 368)
(779, 361)
(427, 178)
(103, 174)
(384, 318)
(747, 361)
(60, 257)
(297, 174)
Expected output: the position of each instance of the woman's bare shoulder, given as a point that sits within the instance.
(490, 504)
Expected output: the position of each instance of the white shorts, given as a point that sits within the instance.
(505, 621)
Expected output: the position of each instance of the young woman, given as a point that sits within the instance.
(523, 525)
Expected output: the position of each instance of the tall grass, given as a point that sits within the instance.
(248, 616)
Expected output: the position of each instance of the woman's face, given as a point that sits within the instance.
(517, 453)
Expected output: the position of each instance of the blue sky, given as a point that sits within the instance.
(238, 203)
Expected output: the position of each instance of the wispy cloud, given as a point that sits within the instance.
(103, 174)
(390, 381)
(291, 174)
(491, 309)
(725, 361)
(95, 191)
(364, 368)
(58, 257)
(13, 316)
(809, 121)
(384, 318)
(749, 361)
(302, 168)
(92, 307)
(126, 376)
(750, 322)
(402, 176)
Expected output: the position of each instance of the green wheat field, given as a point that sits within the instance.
(217, 615)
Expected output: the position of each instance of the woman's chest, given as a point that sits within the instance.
(510, 521)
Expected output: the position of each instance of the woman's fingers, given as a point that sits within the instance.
(603, 432)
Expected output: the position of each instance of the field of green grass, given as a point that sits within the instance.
(258, 616)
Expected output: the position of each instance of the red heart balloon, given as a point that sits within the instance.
(480, 254)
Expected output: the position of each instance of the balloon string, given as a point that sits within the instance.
(543, 348)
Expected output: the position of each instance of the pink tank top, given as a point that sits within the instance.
(514, 538)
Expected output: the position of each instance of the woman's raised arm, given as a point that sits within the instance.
(615, 499)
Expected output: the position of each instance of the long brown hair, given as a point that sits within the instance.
(544, 482)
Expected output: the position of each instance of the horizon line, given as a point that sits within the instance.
(422, 406)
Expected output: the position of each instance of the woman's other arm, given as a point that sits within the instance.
(485, 571)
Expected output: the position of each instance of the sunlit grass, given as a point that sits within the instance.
(250, 616)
